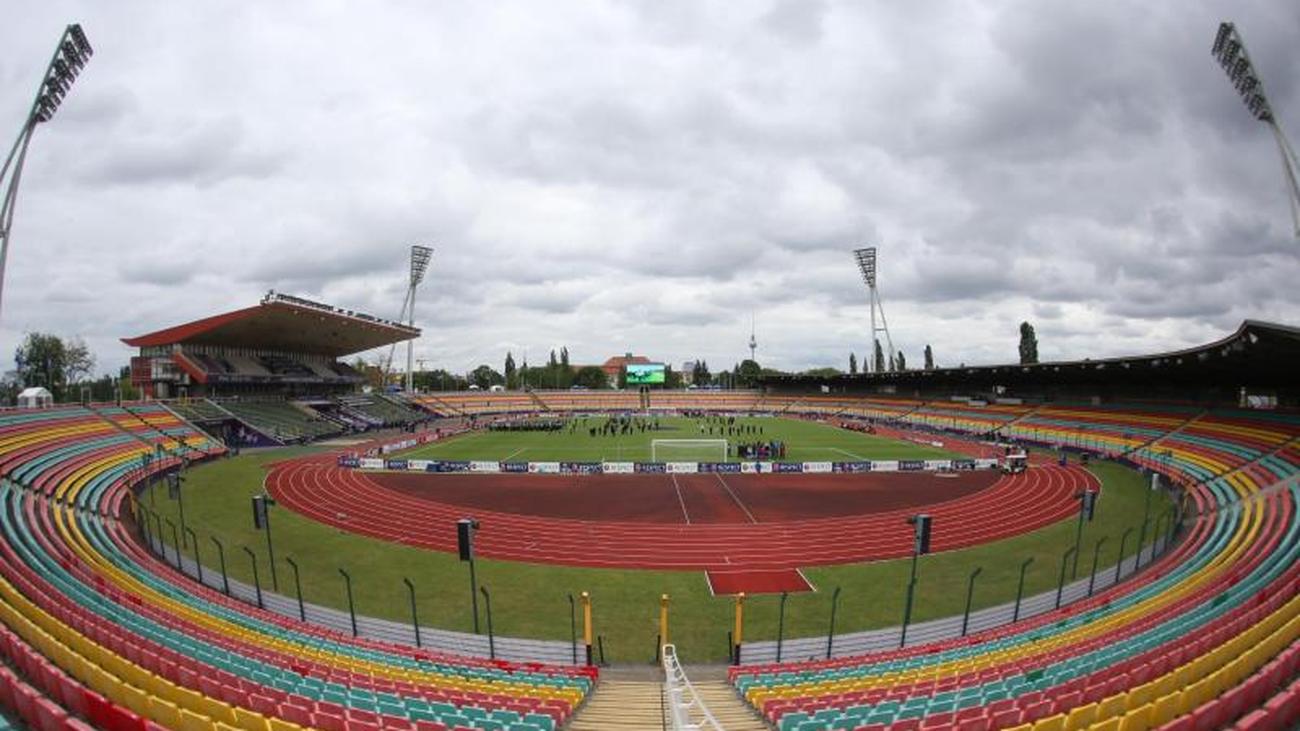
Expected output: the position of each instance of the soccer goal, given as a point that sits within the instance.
(688, 450)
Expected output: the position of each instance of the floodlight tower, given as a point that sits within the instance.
(1230, 51)
(420, 256)
(753, 343)
(867, 266)
(70, 57)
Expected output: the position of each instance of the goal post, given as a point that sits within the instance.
(688, 450)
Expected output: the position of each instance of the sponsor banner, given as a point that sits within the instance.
(371, 463)
(938, 464)
(683, 468)
(724, 467)
(656, 467)
(452, 466)
(482, 466)
(418, 465)
(580, 468)
(751, 468)
(817, 467)
(983, 464)
(395, 464)
(514, 466)
(618, 468)
(910, 465)
(964, 464)
(885, 465)
(347, 460)
(786, 466)
(544, 468)
(853, 467)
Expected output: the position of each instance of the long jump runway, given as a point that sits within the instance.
(744, 529)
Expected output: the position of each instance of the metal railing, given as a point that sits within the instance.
(683, 703)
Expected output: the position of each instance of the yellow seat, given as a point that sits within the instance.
(1051, 723)
(1136, 719)
(1110, 724)
(164, 712)
(191, 721)
(249, 721)
(1081, 717)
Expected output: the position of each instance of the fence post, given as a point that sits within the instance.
(1096, 554)
(257, 580)
(780, 625)
(221, 554)
(586, 623)
(970, 594)
(297, 584)
(415, 616)
(176, 545)
(487, 605)
(198, 563)
(1060, 585)
(830, 634)
(573, 628)
(663, 621)
(1119, 565)
(352, 609)
(1020, 589)
(738, 631)
(907, 607)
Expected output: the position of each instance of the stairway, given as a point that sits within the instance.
(726, 706)
(621, 705)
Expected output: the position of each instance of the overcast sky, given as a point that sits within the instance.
(642, 176)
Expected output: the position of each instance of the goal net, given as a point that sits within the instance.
(688, 450)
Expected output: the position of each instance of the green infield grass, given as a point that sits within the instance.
(530, 600)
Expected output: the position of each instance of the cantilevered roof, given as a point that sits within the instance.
(284, 323)
(1259, 353)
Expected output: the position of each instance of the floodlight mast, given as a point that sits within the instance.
(70, 57)
(866, 258)
(420, 256)
(1230, 51)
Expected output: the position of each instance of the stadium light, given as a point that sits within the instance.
(420, 258)
(866, 259)
(71, 55)
(1230, 51)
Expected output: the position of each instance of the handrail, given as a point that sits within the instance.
(682, 699)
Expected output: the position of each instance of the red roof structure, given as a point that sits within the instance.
(284, 323)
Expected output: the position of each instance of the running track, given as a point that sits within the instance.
(349, 499)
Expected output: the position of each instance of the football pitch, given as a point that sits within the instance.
(583, 439)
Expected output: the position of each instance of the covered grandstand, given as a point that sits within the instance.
(271, 373)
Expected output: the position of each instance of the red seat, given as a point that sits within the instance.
(429, 726)
(1258, 720)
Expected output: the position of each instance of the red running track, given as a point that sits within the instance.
(354, 501)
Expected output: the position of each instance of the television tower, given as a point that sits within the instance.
(753, 343)
(866, 259)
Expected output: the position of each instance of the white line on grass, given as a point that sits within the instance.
(736, 498)
(517, 451)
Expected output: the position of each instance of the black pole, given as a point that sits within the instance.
(257, 580)
(473, 594)
(180, 495)
(1020, 588)
(1119, 564)
(415, 615)
(297, 584)
(1155, 535)
(198, 563)
(1060, 585)
(352, 610)
(780, 625)
(907, 606)
(830, 634)
(1078, 537)
(176, 544)
(1096, 554)
(270, 548)
(487, 605)
(221, 554)
(970, 594)
(1173, 525)
(573, 628)
(1146, 520)
(162, 545)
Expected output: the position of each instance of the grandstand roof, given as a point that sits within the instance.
(285, 323)
(1259, 354)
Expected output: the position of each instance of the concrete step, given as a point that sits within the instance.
(727, 707)
(617, 705)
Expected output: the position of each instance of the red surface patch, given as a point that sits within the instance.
(730, 583)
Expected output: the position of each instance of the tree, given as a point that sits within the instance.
(880, 358)
(49, 361)
(1028, 344)
(702, 375)
(591, 377)
(901, 362)
(564, 356)
(439, 380)
(823, 372)
(853, 364)
(512, 381)
(672, 379)
(485, 377)
(892, 365)
(747, 373)
(929, 358)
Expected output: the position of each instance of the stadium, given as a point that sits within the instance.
(274, 537)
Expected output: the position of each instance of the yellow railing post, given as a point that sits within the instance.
(663, 620)
(586, 623)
